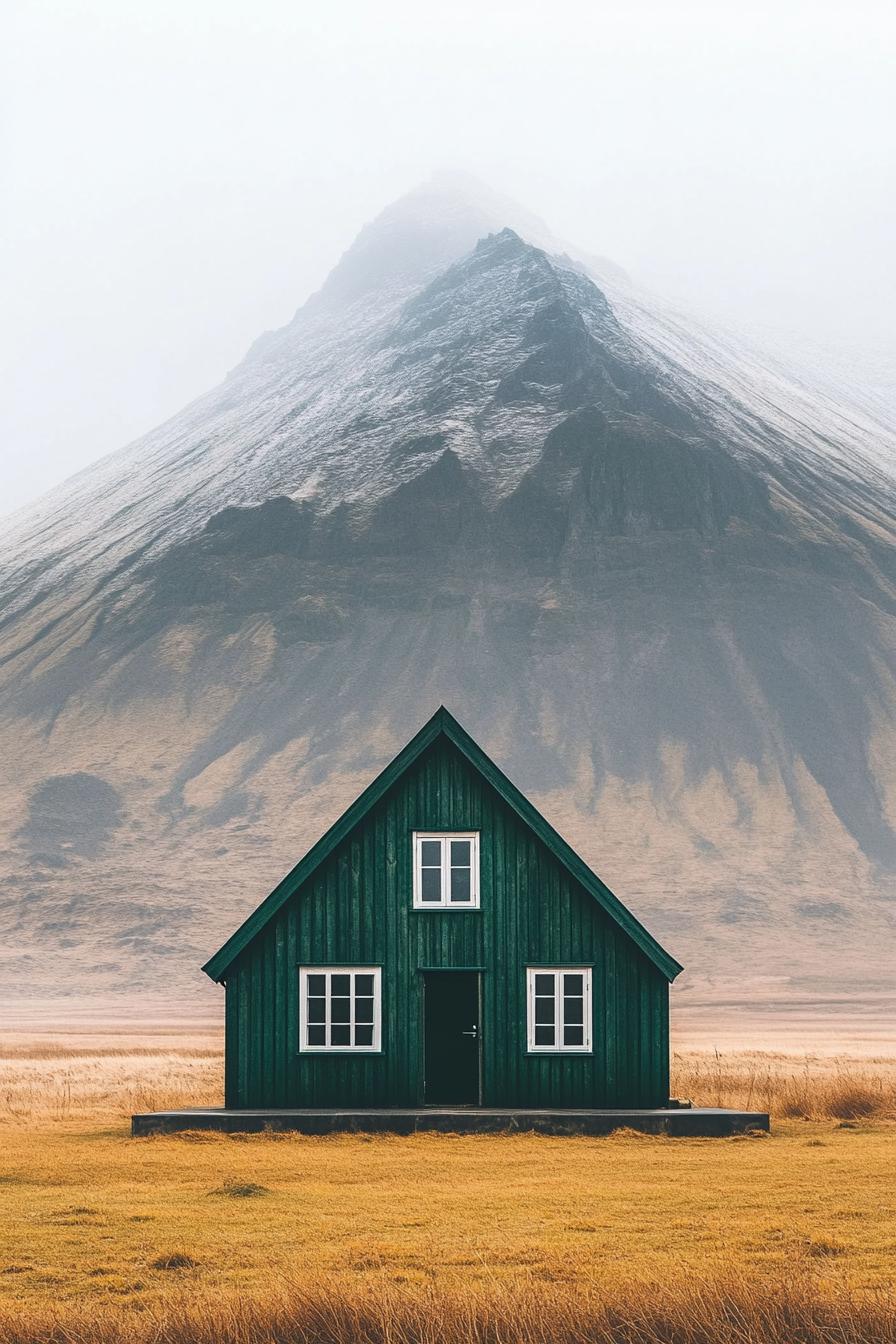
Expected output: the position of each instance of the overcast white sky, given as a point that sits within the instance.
(178, 175)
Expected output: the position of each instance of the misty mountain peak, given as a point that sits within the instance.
(505, 239)
(414, 238)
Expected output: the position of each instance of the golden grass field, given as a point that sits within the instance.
(439, 1238)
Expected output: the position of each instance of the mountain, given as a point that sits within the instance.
(649, 568)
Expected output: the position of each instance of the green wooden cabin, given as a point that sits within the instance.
(441, 945)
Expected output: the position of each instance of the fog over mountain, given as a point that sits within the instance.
(648, 567)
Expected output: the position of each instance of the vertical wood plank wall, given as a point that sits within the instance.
(356, 910)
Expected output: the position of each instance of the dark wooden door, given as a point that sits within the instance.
(451, 1038)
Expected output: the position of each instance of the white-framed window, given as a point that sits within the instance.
(446, 870)
(559, 1008)
(339, 1008)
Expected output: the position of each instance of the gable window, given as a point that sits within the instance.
(339, 1008)
(446, 870)
(559, 1008)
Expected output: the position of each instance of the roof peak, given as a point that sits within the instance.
(442, 722)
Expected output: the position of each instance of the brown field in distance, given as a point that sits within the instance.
(58, 1075)
(436, 1238)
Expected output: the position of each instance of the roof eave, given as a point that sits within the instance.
(577, 866)
(217, 965)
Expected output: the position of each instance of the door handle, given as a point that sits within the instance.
(474, 1033)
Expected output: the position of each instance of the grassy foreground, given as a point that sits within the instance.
(725, 1312)
(437, 1237)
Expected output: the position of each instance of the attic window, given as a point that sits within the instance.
(559, 1008)
(339, 1008)
(446, 870)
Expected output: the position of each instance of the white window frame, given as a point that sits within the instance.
(558, 1048)
(329, 972)
(445, 837)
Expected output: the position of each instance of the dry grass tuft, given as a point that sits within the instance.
(177, 1260)
(820, 1246)
(241, 1190)
(723, 1312)
(625, 1134)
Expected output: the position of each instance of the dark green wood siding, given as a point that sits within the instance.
(356, 909)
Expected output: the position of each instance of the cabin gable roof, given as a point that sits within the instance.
(441, 724)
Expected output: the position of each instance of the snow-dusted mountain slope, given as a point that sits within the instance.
(651, 568)
(316, 408)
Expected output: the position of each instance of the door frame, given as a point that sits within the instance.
(422, 972)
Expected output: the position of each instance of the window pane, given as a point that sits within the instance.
(317, 984)
(317, 1036)
(544, 1035)
(340, 1035)
(363, 1010)
(574, 984)
(544, 1010)
(544, 984)
(573, 1035)
(340, 984)
(460, 884)
(460, 853)
(573, 1010)
(431, 884)
(363, 1035)
(431, 853)
(363, 984)
(317, 1010)
(339, 1010)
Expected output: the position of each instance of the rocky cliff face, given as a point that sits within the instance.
(651, 574)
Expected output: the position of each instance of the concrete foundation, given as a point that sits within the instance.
(681, 1122)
